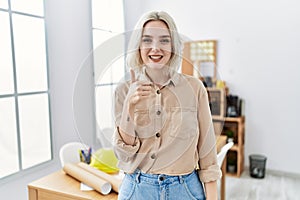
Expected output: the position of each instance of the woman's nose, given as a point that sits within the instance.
(155, 46)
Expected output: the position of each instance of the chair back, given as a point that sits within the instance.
(69, 152)
(221, 155)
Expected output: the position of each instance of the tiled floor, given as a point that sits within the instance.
(273, 187)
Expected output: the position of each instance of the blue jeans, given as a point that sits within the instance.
(139, 186)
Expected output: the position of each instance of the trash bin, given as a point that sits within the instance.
(257, 165)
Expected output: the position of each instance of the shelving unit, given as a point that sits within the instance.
(237, 125)
(200, 57)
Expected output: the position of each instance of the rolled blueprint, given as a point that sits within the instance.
(98, 184)
(114, 181)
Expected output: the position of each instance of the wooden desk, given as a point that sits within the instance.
(221, 141)
(60, 186)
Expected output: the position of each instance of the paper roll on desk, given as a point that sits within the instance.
(115, 182)
(100, 185)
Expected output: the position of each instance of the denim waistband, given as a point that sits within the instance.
(159, 179)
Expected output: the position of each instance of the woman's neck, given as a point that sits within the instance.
(158, 76)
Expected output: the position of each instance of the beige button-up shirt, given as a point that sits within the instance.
(173, 129)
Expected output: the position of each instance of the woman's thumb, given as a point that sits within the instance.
(132, 76)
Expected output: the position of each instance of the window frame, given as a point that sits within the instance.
(15, 94)
(111, 84)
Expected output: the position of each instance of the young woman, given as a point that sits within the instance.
(164, 136)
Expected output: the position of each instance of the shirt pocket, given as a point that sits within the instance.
(184, 122)
(141, 117)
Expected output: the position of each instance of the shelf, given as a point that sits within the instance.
(229, 119)
(234, 148)
(235, 119)
(231, 174)
(237, 126)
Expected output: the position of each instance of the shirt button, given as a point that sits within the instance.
(157, 91)
(153, 156)
(158, 112)
(157, 134)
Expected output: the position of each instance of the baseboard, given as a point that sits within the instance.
(277, 172)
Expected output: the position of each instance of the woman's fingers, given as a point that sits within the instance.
(141, 89)
(140, 94)
(144, 88)
(143, 93)
(136, 98)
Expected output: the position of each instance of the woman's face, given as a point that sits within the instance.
(156, 46)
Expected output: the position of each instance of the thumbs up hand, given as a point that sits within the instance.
(138, 90)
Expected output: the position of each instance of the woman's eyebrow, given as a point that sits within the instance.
(165, 36)
(161, 36)
(147, 36)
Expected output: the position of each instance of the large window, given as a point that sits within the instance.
(108, 44)
(25, 136)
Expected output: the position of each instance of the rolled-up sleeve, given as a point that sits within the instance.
(208, 167)
(124, 152)
(209, 173)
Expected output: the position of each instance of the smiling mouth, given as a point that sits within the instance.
(155, 58)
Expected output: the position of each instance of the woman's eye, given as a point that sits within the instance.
(146, 40)
(165, 41)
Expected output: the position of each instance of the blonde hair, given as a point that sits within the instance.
(133, 58)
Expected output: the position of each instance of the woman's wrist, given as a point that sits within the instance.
(211, 190)
(127, 139)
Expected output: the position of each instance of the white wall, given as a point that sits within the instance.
(69, 42)
(258, 42)
(258, 57)
(132, 11)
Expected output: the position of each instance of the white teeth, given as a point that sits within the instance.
(155, 57)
